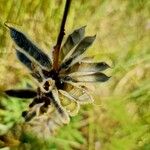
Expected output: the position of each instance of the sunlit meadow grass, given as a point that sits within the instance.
(119, 119)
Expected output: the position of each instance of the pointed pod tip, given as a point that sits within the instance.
(109, 77)
(6, 24)
(106, 65)
(91, 38)
(8, 92)
(11, 27)
(109, 66)
(94, 36)
(84, 26)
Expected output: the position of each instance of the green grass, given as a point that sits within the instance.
(119, 119)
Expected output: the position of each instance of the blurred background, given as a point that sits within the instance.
(119, 119)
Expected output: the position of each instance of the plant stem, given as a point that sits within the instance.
(60, 37)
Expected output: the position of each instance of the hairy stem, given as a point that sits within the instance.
(60, 37)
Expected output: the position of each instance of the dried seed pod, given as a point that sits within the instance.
(21, 93)
(27, 46)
